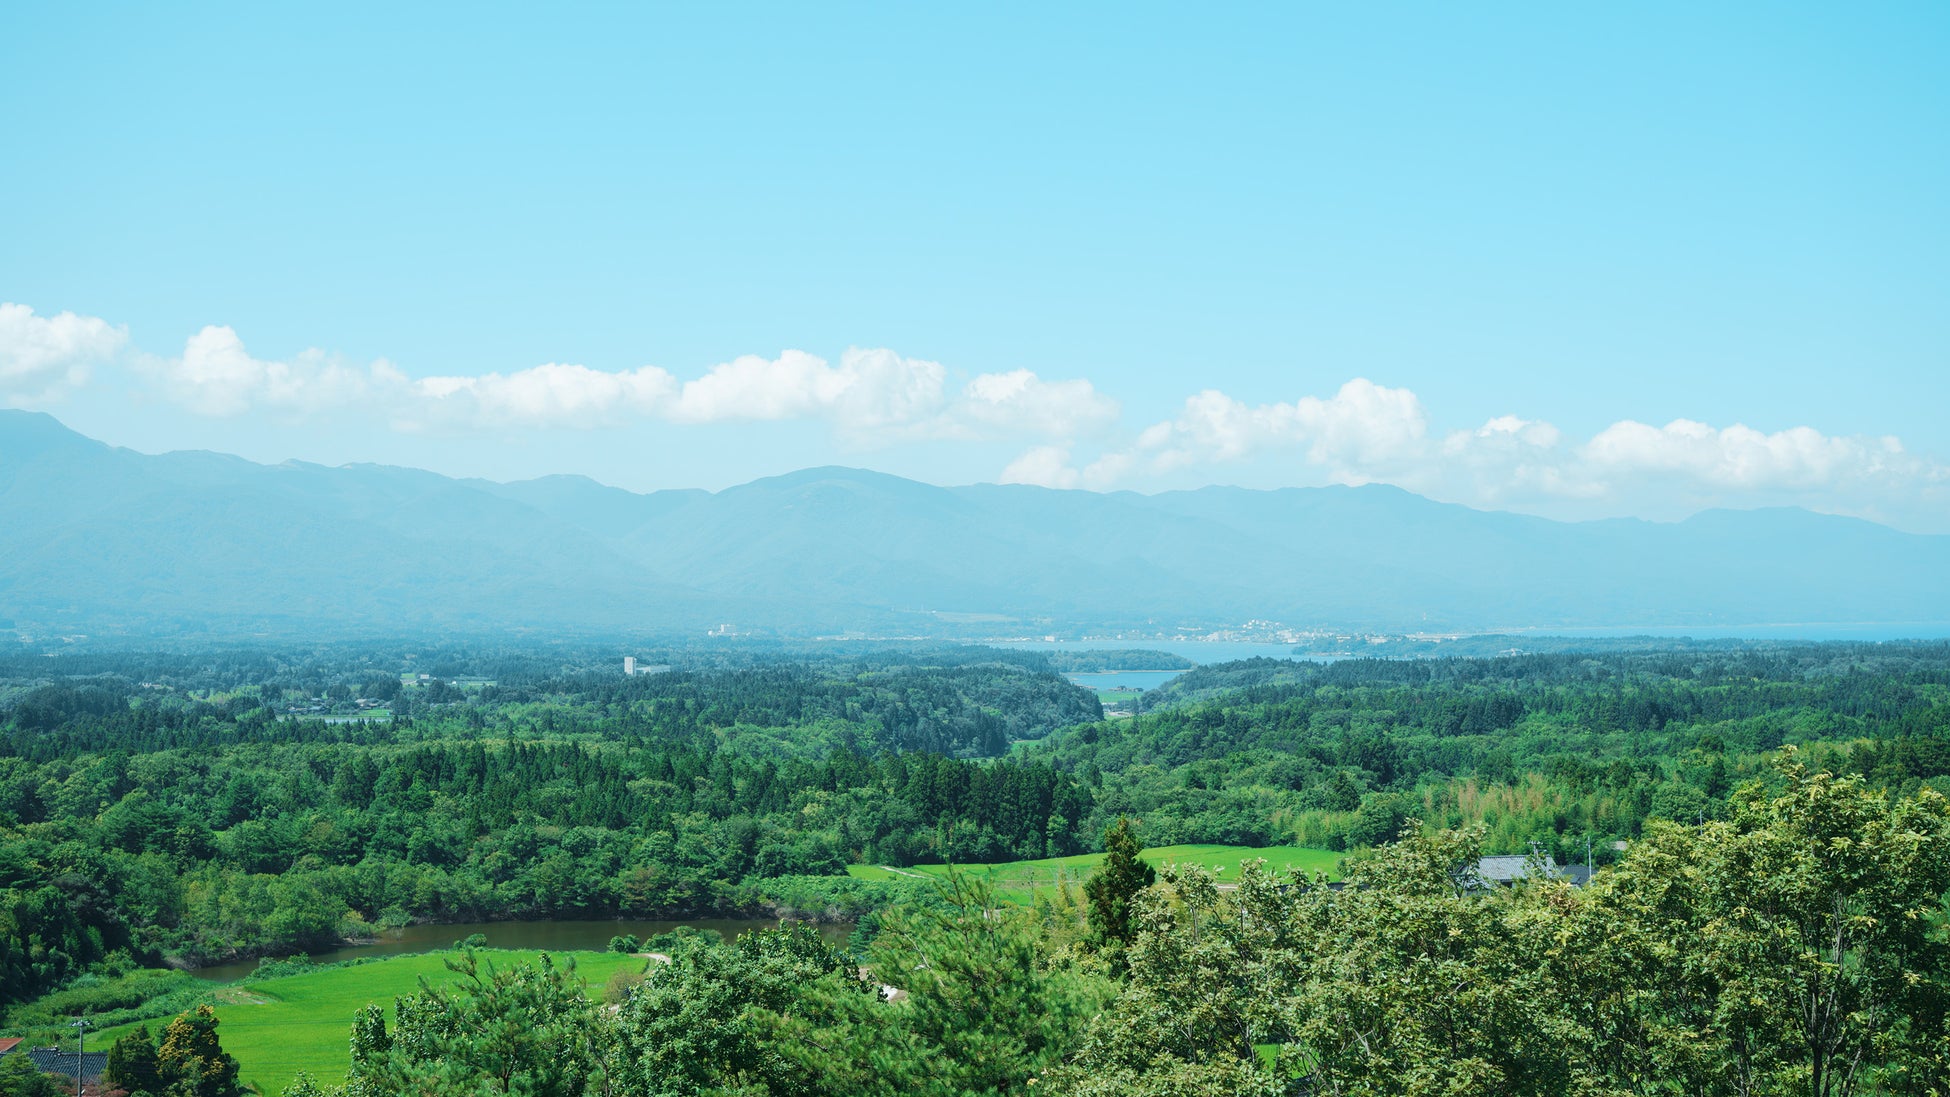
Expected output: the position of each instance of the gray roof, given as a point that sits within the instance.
(1501, 870)
(49, 1061)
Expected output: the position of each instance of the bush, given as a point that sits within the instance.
(18, 1078)
(138, 996)
(621, 983)
(268, 968)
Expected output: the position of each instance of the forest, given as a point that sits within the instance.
(190, 808)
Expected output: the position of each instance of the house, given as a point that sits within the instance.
(8, 1044)
(1504, 871)
(49, 1060)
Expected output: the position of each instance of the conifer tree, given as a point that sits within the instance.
(1115, 884)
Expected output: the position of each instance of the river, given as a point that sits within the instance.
(564, 936)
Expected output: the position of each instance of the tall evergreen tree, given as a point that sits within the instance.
(1115, 883)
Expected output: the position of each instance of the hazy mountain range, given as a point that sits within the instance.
(104, 539)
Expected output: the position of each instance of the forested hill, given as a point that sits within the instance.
(106, 541)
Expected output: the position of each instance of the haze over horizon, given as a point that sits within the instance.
(1602, 264)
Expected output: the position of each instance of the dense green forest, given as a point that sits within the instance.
(1552, 749)
(198, 807)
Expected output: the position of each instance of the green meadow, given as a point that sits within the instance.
(279, 1027)
(1018, 881)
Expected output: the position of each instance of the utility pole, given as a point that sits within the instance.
(80, 1026)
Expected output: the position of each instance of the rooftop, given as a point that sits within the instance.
(1498, 871)
(50, 1061)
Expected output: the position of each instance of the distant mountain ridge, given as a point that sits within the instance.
(98, 538)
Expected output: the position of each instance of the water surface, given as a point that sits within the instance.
(1198, 651)
(1132, 679)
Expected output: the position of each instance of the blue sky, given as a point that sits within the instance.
(1573, 261)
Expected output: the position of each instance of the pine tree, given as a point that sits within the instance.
(1115, 884)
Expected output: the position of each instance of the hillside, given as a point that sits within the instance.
(105, 540)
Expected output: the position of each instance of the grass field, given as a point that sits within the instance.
(1019, 880)
(279, 1027)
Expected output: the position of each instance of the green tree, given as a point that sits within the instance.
(1796, 947)
(1408, 981)
(977, 1006)
(1416, 979)
(693, 1027)
(132, 1063)
(304, 1085)
(1206, 974)
(18, 1078)
(191, 1062)
(528, 1029)
(1116, 883)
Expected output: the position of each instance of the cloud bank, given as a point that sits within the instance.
(1071, 434)
(1370, 433)
(870, 396)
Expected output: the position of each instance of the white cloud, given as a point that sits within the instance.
(868, 389)
(1368, 432)
(216, 376)
(1019, 402)
(1508, 456)
(872, 395)
(1043, 466)
(42, 357)
(1741, 457)
(1362, 432)
(551, 395)
(1511, 430)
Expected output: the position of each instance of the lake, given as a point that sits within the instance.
(1135, 679)
(1198, 651)
(563, 936)
(1864, 631)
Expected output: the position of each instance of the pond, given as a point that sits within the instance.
(1123, 679)
(562, 936)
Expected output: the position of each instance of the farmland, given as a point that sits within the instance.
(279, 1027)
